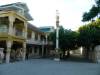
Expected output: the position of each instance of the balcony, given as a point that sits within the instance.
(19, 33)
(3, 29)
(38, 42)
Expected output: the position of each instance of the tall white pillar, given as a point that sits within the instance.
(9, 44)
(57, 39)
(57, 36)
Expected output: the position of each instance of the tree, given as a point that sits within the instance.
(89, 35)
(70, 40)
(67, 39)
(52, 37)
(93, 12)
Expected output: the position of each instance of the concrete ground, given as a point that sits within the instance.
(49, 67)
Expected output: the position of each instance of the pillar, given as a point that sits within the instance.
(32, 51)
(24, 43)
(38, 37)
(25, 30)
(46, 38)
(38, 51)
(9, 44)
(11, 21)
(24, 51)
(43, 49)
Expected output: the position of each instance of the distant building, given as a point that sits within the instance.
(47, 29)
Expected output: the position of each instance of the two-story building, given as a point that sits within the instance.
(18, 37)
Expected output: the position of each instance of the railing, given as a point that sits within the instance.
(3, 28)
(38, 42)
(19, 33)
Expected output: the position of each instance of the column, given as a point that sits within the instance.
(38, 51)
(11, 21)
(46, 44)
(46, 38)
(9, 44)
(38, 37)
(24, 51)
(24, 43)
(25, 30)
(33, 35)
(43, 49)
(32, 51)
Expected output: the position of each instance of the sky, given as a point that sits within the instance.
(44, 11)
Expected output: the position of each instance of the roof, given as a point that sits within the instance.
(17, 7)
(47, 28)
(34, 28)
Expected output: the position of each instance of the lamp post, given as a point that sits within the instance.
(57, 58)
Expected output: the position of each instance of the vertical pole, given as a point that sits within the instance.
(57, 36)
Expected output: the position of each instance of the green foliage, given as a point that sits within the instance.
(67, 39)
(71, 39)
(89, 35)
(93, 12)
(86, 17)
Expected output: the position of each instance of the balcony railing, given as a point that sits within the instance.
(3, 29)
(38, 42)
(19, 33)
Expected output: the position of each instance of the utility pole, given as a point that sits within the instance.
(57, 58)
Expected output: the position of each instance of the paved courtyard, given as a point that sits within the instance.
(49, 67)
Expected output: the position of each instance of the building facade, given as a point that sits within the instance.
(18, 38)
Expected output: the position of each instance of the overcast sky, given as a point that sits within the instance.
(44, 11)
